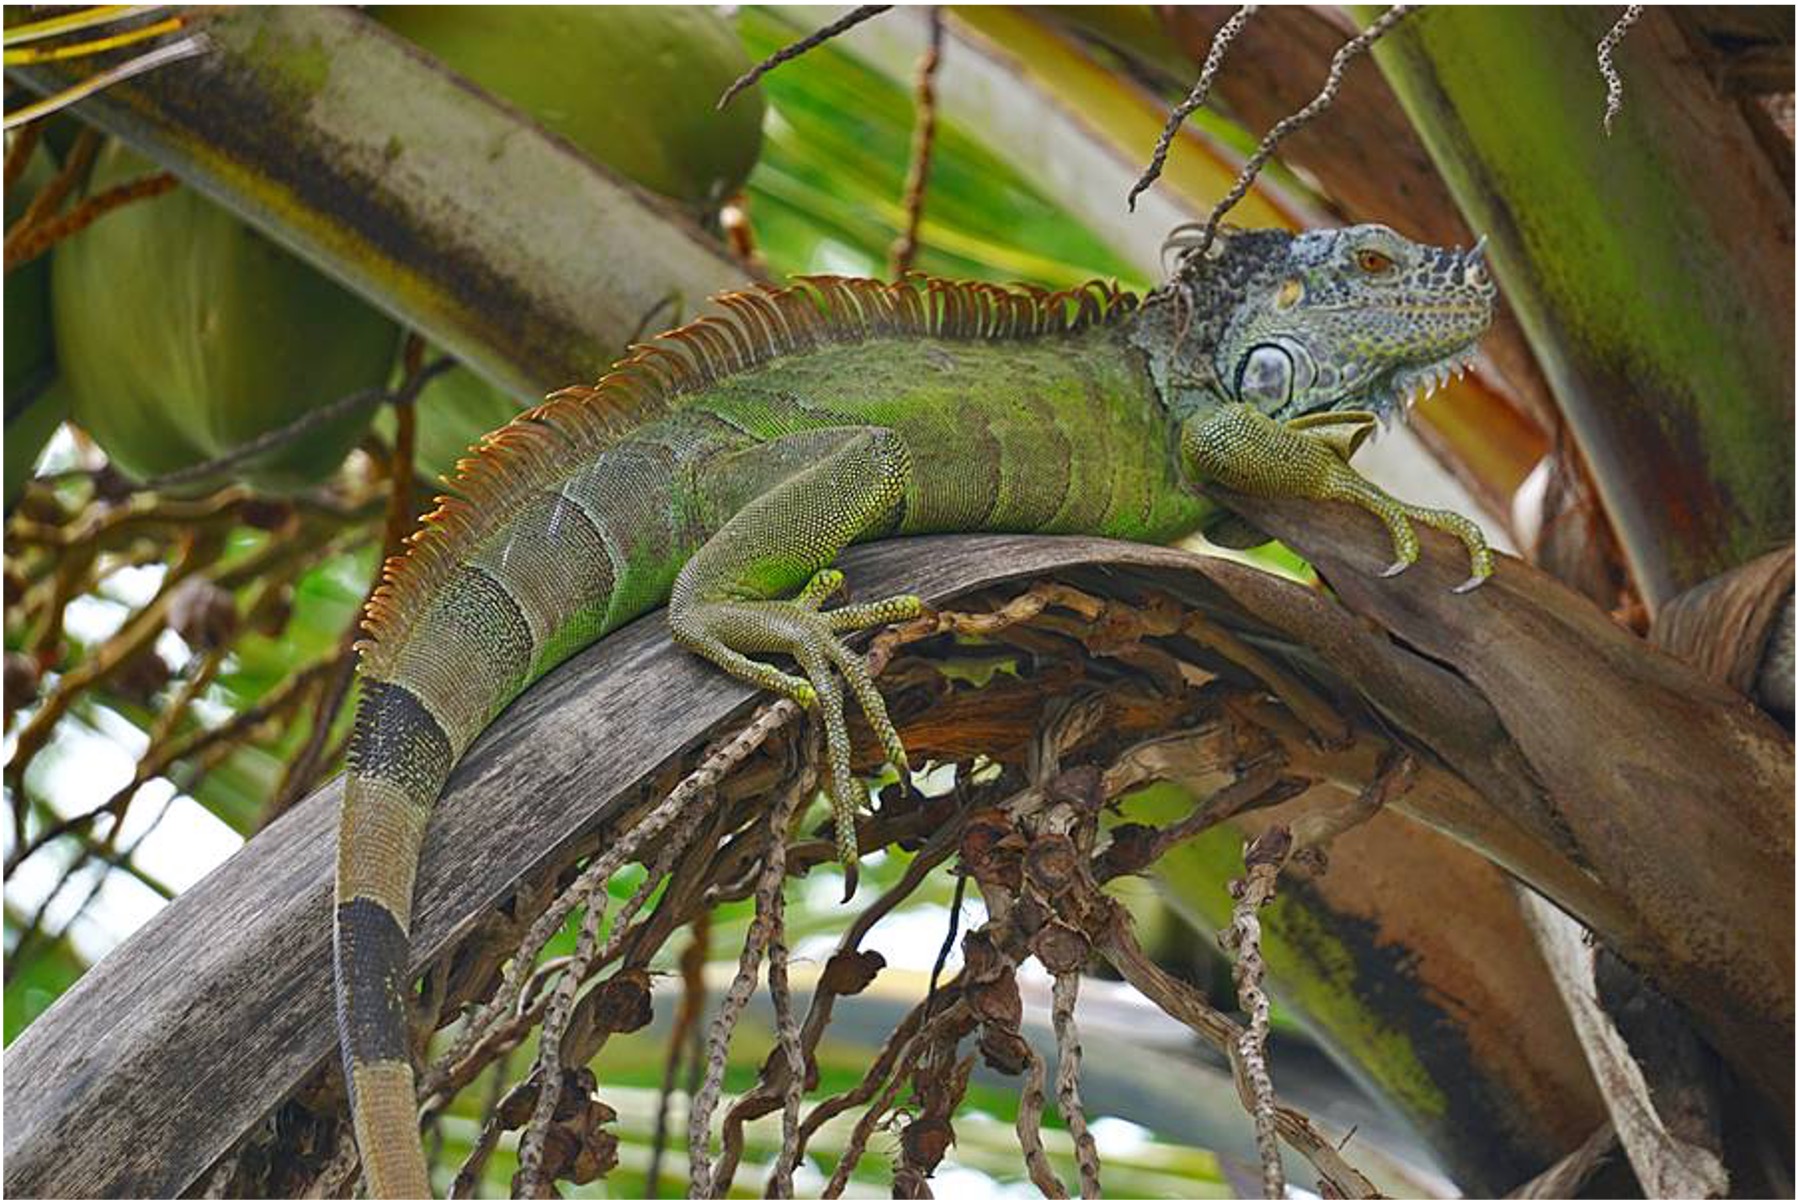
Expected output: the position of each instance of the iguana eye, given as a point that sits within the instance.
(1373, 262)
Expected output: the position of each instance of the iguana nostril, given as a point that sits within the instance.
(1473, 270)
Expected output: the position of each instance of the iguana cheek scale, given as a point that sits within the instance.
(820, 415)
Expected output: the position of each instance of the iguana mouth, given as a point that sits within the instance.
(1410, 386)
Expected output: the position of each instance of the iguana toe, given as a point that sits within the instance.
(727, 630)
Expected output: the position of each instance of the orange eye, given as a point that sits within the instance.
(1373, 262)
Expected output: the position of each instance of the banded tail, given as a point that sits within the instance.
(571, 565)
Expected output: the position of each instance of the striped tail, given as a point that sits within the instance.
(423, 702)
(569, 565)
(399, 760)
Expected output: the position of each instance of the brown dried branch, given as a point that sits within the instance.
(780, 1184)
(686, 1024)
(307, 766)
(1067, 1080)
(106, 850)
(1030, 1126)
(25, 944)
(468, 1175)
(136, 637)
(49, 200)
(770, 881)
(548, 1071)
(690, 797)
(1352, 49)
(784, 1074)
(485, 1038)
(114, 527)
(1179, 1000)
(1264, 857)
(496, 1027)
(308, 763)
(1201, 91)
(848, 972)
(788, 53)
(340, 1172)
(1607, 48)
(36, 240)
(1319, 715)
(896, 1050)
(857, 1144)
(18, 154)
(923, 140)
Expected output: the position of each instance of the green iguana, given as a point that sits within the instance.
(832, 412)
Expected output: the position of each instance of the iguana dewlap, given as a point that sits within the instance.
(827, 413)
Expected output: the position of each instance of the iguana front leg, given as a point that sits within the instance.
(1242, 448)
(758, 587)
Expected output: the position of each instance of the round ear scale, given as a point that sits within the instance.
(1266, 378)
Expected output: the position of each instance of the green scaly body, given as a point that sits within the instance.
(813, 418)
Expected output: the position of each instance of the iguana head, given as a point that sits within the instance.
(1336, 318)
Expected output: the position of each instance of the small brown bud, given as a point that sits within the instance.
(1132, 849)
(1270, 849)
(21, 680)
(262, 512)
(848, 974)
(1061, 948)
(1083, 787)
(1029, 915)
(998, 1001)
(273, 611)
(989, 851)
(1052, 864)
(981, 960)
(203, 613)
(926, 1140)
(141, 676)
(910, 1183)
(111, 486)
(1004, 1050)
(622, 1004)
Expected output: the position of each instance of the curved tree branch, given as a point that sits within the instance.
(223, 999)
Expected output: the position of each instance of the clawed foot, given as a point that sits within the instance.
(1248, 451)
(726, 631)
(1398, 517)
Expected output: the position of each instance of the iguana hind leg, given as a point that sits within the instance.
(1242, 448)
(759, 585)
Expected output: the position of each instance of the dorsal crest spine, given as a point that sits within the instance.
(511, 464)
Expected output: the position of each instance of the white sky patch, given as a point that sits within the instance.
(1114, 1135)
(965, 1183)
(908, 939)
(136, 586)
(187, 844)
(90, 619)
(172, 648)
(80, 769)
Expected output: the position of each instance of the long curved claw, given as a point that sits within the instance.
(722, 630)
(1244, 449)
